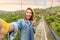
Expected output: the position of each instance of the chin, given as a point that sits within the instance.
(28, 18)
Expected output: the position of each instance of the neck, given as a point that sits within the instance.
(28, 19)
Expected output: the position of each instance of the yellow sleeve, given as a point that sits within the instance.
(5, 25)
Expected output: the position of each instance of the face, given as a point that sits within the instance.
(28, 14)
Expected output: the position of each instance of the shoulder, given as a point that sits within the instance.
(21, 20)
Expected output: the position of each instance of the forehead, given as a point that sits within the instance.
(28, 10)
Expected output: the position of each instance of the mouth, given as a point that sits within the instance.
(28, 16)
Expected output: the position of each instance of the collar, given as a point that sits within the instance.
(27, 21)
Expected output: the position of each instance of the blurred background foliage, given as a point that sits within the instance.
(52, 17)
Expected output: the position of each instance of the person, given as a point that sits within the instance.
(25, 25)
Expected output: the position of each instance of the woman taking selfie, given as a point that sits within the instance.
(24, 25)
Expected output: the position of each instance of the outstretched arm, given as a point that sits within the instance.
(11, 27)
(5, 28)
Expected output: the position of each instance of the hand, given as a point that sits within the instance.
(34, 22)
(2, 31)
(5, 28)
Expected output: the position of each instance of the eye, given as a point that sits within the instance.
(26, 12)
(30, 13)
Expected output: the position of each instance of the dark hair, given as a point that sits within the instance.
(32, 17)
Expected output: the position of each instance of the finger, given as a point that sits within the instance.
(5, 25)
(1, 25)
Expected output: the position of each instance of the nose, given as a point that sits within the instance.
(28, 13)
